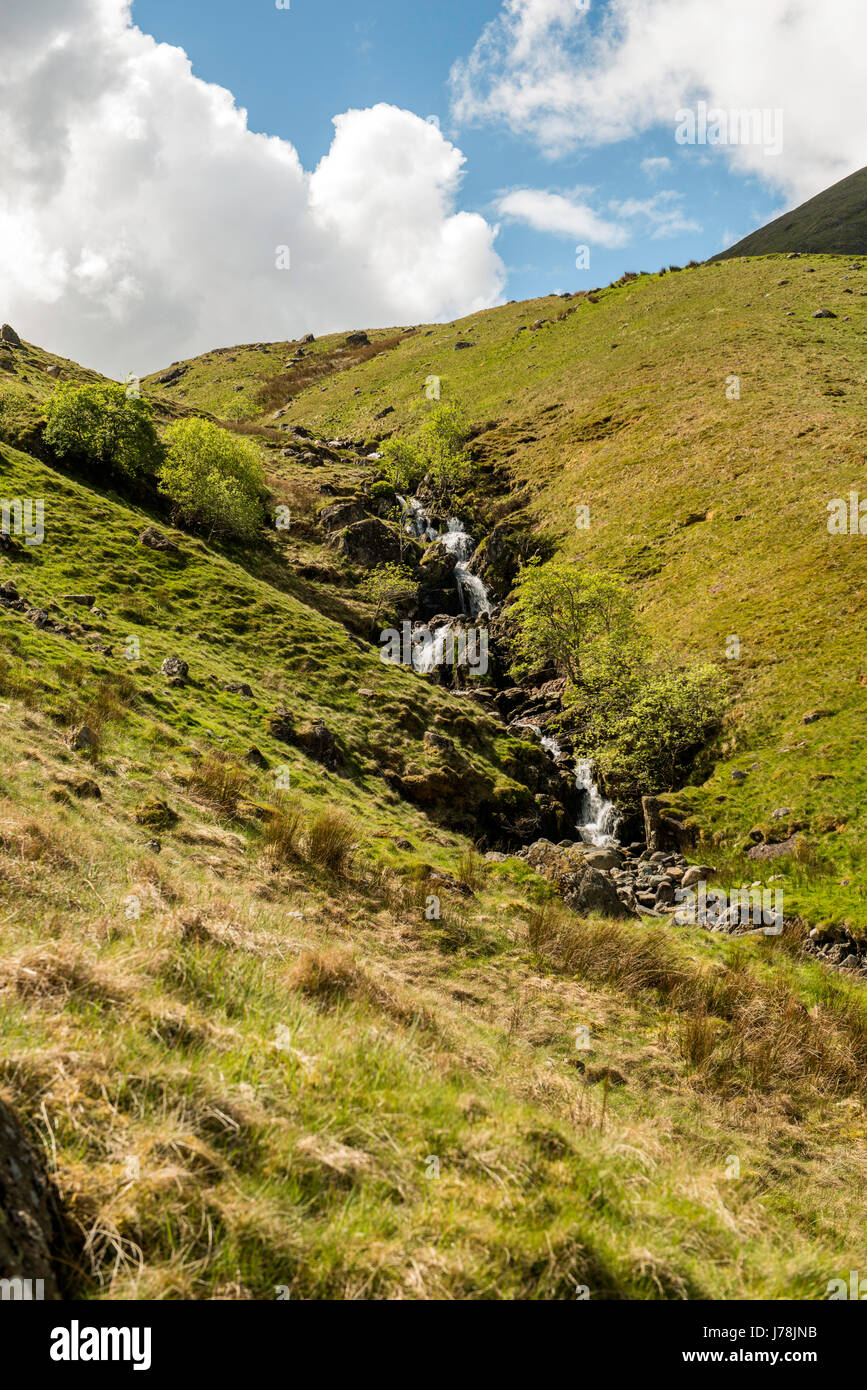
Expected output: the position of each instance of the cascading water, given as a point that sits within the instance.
(600, 819)
(472, 591)
(428, 647)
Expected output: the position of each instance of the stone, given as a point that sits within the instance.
(173, 375)
(176, 668)
(372, 542)
(281, 725)
(343, 513)
(603, 858)
(462, 344)
(696, 873)
(738, 775)
(237, 688)
(774, 851)
(82, 600)
(256, 758)
(824, 314)
(156, 815)
(34, 1238)
(8, 335)
(318, 742)
(82, 739)
(155, 540)
(583, 889)
(814, 715)
(438, 564)
(356, 340)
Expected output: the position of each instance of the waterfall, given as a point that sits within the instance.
(600, 819)
(473, 593)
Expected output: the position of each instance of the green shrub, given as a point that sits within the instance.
(213, 480)
(402, 465)
(382, 489)
(642, 719)
(100, 425)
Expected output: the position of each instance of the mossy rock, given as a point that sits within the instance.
(156, 815)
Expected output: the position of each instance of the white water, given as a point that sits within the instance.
(473, 592)
(600, 817)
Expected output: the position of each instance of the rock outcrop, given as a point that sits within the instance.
(32, 1229)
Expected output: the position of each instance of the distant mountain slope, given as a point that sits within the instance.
(834, 223)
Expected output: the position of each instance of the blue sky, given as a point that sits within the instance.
(293, 70)
(142, 212)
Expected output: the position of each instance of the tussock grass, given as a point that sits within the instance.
(330, 841)
(220, 780)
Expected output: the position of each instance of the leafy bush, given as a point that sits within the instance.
(382, 489)
(437, 455)
(642, 720)
(402, 465)
(570, 617)
(213, 479)
(644, 733)
(390, 587)
(443, 437)
(100, 425)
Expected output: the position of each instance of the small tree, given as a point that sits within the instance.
(102, 426)
(572, 617)
(442, 446)
(213, 479)
(389, 586)
(645, 740)
(402, 465)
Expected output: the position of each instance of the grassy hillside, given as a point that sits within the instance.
(251, 1058)
(714, 508)
(832, 223)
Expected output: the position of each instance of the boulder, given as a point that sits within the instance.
(155, 540)
(696, 873)
(318, 743)
(82, 739)
(237, 688)
(373, 542)
(175, 667)
(583, 888)
(173, 375)
(437, 564)
(661, 832)
(32, 1228)
(8, 335)
(281, 725)
(356, 340)
(343, 513)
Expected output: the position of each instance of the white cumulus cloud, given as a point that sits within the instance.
(140, 217)
(552, 212)
(568, 77)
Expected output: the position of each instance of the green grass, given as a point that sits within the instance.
(241, 1054)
